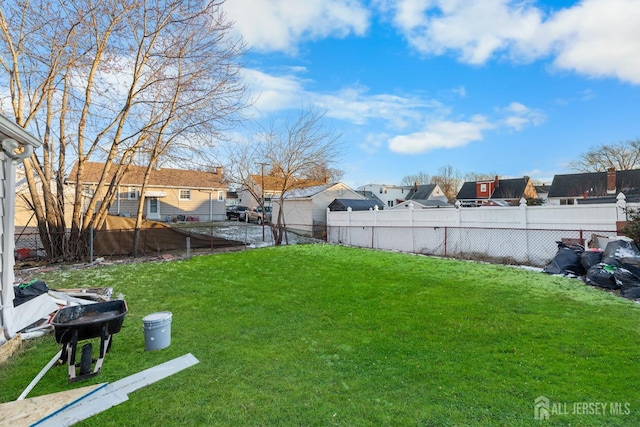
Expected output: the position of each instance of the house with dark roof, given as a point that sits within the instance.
(390, 195)
(511, 191)
(372, 196)
(170, 194)
(425, 196)
(426, 192)
(594, 187)
(355, 205)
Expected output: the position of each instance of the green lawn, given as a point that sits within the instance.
(321, 335)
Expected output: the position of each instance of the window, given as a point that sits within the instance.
(184, 195)
(483, 188)
(132, 193)
(88, 191)
(390, 203)
(220, 195)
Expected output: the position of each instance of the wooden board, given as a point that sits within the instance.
(9, 348)
(28, 411)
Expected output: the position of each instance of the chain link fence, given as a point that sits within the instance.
(508, 246)
(178, 239)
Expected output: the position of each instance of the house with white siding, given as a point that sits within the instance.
(17, 144)
(305, 209)
(390, 195)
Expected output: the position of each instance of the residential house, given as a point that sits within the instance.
(355, 205)
(305, 209)
(232, 198)
(594, 187)
(390, 195)
(372, 196)
(16, 144)
(25, 219)
(496, 191)
(543, 192)
(270, 187)
(170, 194)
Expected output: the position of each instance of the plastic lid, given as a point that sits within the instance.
(157, 317)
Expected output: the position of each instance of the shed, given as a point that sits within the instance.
(354, 204)
(17, 144)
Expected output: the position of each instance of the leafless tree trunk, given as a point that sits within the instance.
(622, 156)
(294, 150)
(449, 181)
(118, 81)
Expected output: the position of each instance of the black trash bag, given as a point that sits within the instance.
(590, 258)
(626, 280)
(617, 250)
(566, 261)
(27, 291)
(631, 293)
(601, 275)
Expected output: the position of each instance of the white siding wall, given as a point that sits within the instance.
(7, 260)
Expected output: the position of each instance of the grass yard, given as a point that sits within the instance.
(321, 335)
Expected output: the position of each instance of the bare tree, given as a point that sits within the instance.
(479, 176)
(420, 178)
(621, 156)
(294, 151)
(449, 181)
(120, 81)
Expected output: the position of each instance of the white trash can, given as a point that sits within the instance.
(157, 330)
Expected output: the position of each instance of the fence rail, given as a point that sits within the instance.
(119, 242)
(514, 245)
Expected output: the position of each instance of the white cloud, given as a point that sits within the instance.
(373, 143)
(441, 134)
(597, 38)
(279, 25)
(353, 104)
(517, 116)
(271, 93)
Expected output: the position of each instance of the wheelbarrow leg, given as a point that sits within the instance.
(105, 345)
(71, 356)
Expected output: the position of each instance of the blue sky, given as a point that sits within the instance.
(487, 86)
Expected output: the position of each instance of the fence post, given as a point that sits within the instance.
(188, 247)
(349, 225)
(523, 212)
(91, 244)
(621, 212)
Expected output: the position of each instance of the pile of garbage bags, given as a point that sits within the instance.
(617, 267)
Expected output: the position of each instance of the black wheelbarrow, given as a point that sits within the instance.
(83, 322)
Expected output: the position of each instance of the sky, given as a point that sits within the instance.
(514, 88)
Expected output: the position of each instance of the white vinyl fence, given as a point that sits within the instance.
(521, 234)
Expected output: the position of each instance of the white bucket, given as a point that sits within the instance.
(157, 330)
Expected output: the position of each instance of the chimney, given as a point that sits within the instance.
(611, 180)
(496, 182)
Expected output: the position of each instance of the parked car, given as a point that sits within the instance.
(256, 214)
(237, 212)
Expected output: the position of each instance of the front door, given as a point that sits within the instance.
(153, 208)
